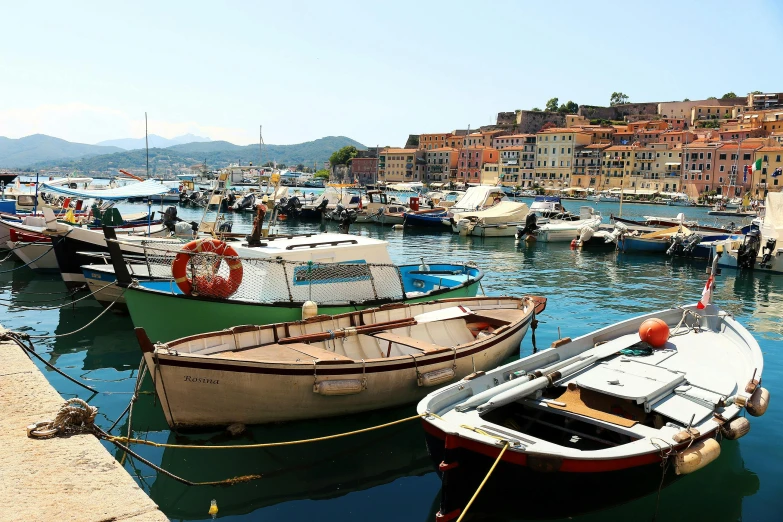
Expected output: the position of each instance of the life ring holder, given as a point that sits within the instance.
(179, 268)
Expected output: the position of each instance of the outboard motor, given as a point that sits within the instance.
(530, 225)
(676, 247)
(345, 217)
(749, 250)
(170, 218)
(225, 226)
(690, 243)
(766, 252)
(246, 202)
(292, 207)
(231, 198)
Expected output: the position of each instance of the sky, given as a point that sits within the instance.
(372, 71)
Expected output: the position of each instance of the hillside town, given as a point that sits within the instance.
(730, 146)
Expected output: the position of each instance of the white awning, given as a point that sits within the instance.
(142, 189)
(673, 163)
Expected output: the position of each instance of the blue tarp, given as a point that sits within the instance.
(142, 189)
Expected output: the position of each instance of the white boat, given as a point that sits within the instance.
(567, 231)
(475, 198)
(604, 197)
(500, 220)
(333, 365)
(600, 410)
(34, 250)
(761, 249)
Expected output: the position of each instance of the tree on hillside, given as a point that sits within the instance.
(551, 105)
(618, 98)
(728, 95)
(342, 156)
(686, 99)
(756, 92)
(568, 108)
(322, 174)
(535, 109)
(300, 167)
(712, 98)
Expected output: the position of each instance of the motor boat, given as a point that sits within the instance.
(642, 401)
(559, 231)
(500, 220)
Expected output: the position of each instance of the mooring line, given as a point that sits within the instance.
(55, 336)
(64, 304)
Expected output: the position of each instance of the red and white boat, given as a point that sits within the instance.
(598, 410)
(34, 250)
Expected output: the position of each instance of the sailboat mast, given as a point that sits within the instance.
(147, 145)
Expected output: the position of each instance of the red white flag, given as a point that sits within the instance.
(706, 294)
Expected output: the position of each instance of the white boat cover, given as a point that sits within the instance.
(772, 226)
(503, 212)
(142, 189)
(476, 197)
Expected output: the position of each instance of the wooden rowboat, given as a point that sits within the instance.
(333, 365)
(599, 410)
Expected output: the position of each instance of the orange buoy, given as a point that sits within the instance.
(573, 244)
(475, 328)
(655, 332)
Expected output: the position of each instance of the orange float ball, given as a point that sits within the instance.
(655, 332)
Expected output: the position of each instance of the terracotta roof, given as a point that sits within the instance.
(598, 146)
(621, 147)
(773, 148)
(443, 149)
(398, 151)
(515, 136)
(623, 132)
(557, 130)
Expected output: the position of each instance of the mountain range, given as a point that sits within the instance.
(154, 141)
(40, 147)
(41, 152)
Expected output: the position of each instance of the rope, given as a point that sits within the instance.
(494, 465)
(19, 337)
(65, 304)
(75, 416)
(128, 440)
(54, 242)
(83, 327)
(69, 293)
(664, 468)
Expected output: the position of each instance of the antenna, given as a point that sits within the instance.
(260, 147)
(147, 143)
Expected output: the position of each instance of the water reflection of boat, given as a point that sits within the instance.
(313, 471)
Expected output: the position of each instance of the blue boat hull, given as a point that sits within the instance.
(425, 220)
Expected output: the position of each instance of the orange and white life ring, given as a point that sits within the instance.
(214, 285)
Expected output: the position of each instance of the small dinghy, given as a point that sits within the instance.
(333, 365)
(602, 410)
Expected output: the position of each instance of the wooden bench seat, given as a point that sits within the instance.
(409, 341)
(287, 353)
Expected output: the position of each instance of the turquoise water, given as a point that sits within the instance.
(386, 475)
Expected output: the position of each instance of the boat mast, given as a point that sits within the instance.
(147, 145)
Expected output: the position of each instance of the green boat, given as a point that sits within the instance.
(160, 307)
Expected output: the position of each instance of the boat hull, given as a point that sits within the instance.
(479, 230)
(199, 391)
(145, 308)
(430, 221)
(38, 256)
(635, 244)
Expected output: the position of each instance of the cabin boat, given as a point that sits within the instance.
(601, 410)
(567, 231)
(332, 365)
(474, 199)
(499, 220)
(760, 249)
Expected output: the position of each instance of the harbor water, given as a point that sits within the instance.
(386, 475)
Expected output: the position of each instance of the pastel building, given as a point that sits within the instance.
(442, 164)
(471, 161)
(667, 166)
(555, 149)
(400, 165)
(698, 166)
(515, 140)
(364, 170)
(517, 166)
(617, 166)
(771, 164)
(433, 141)
(729, 176)
(587, 165)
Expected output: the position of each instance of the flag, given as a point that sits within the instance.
(706, 294)
(745, 173)
(778, 172)
(757, 165)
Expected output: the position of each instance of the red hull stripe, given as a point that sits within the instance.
(567, 466)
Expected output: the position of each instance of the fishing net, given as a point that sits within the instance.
(211, 273)
(159, 255)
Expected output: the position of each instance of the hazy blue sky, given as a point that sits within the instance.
(373, 71)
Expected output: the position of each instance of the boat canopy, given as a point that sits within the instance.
(503, 212)
(476, 197)
(772, 226)
(142, 189)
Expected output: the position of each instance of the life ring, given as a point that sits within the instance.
(208, 285)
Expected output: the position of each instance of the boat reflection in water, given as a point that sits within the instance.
(311, 471)
(691, 498)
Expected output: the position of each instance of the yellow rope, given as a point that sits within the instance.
(464, 512)
(127, 440)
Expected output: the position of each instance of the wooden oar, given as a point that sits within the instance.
(345, 332)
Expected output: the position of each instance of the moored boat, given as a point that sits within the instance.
(642, 401)
(332, 365)
(567, 231)
(499, 220)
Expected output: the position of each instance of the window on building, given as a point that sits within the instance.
(746, 156)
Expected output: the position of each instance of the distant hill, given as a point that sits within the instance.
(217, 154)
(15, 153)
(155, 141)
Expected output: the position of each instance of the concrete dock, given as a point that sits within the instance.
(64, 478)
